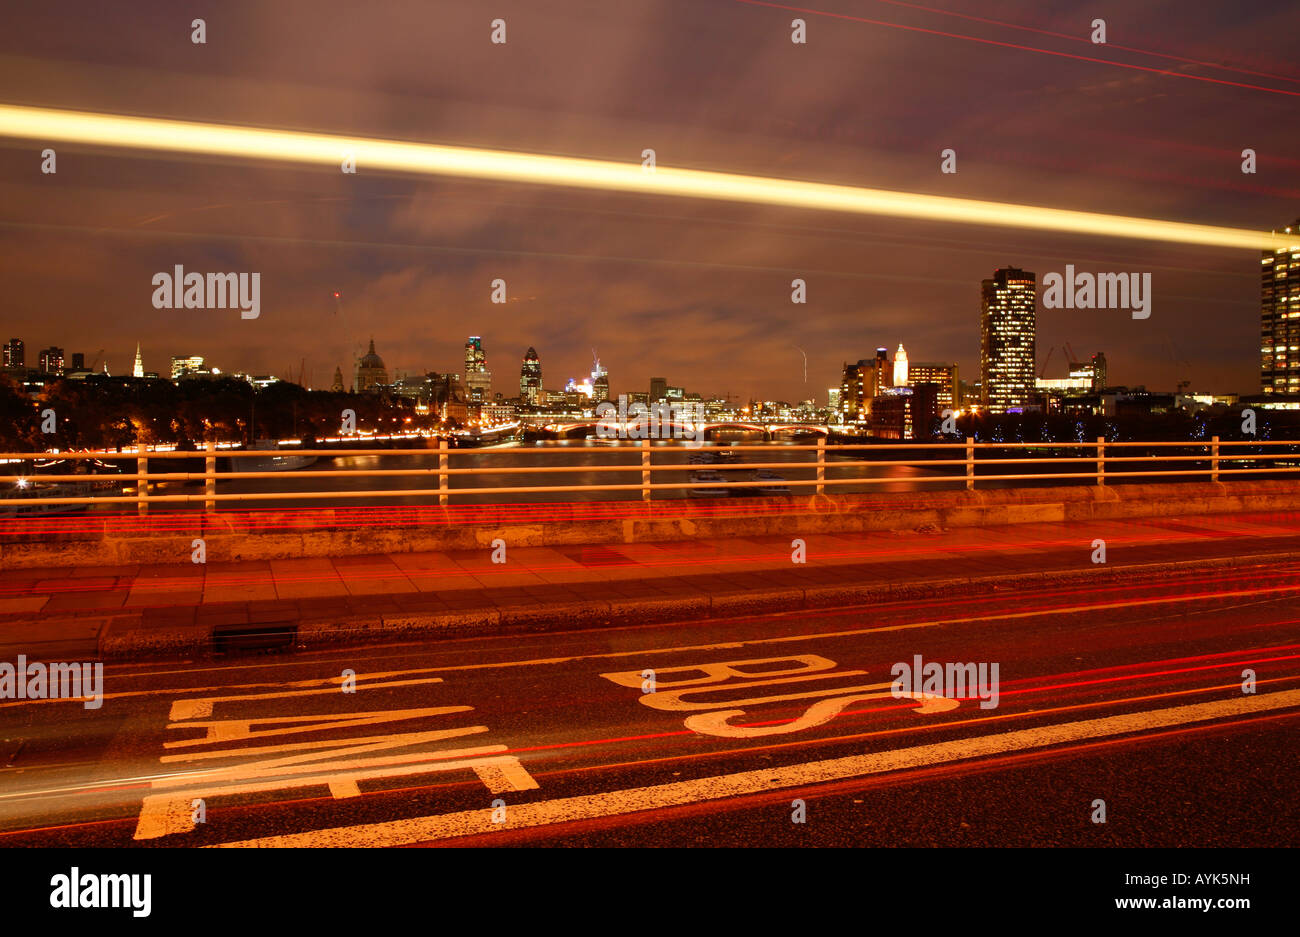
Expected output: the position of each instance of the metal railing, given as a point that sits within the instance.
(1213, 464)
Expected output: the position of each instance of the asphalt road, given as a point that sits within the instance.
(1129, 695)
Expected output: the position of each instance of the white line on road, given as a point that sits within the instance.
(633, 800)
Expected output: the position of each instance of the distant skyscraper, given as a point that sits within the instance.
(658, 388)
(15, 354)
(599, 380)
(1007, 324)
(900, 366)
(1279, 333)
(478, 379)
(78, 361)
(51, 360)
(1099, 375)
(530, 377)
(138, 369)
(474, 357)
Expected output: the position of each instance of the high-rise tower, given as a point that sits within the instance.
(1007, 324)
(530, 377)
(15, 354)
(1279, 331)
(900, 366)
(478, 379)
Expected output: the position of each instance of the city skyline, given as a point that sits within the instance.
(660, 286)
(1007, 335)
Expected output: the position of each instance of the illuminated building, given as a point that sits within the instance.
(581, 388)
(905, 413)
(478, 379)
(860, 384)
(599, 380)
(188, 363)
(51, 360)
(1099, 376)
(371, 373)
(1007, 340)
(900, 366)
(138, 369)
(15, 354)
(530, 378)
(1279, 334)
(943, 376)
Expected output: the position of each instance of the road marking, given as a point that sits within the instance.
(718, 723)
(330, 763)
(634, 800)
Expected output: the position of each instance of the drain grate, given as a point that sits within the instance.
(253, 639)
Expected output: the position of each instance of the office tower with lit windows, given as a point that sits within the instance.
(530, 378)
(1099, 376)
(599, 380)
(1279, 333)
(187, 363)
(51, 360)
(15, 353)
(941, 374)
(861, 383)
(1008, 301)
(478, 379)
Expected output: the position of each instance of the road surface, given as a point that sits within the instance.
(1124, 703)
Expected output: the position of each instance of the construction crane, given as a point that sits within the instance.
(1042, 372)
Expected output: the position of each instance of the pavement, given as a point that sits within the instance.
(139, 611)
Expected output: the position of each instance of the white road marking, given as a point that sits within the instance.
(633, 800)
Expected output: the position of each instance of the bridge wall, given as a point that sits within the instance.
(230, 537)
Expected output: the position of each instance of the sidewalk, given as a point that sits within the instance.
(142, 610)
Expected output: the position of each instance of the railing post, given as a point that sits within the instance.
(142, 483)
(442, 471)
(821, 465)
(645, 470)
(1101, 460)
(210, 475)
(970, 464)
(1214, 459)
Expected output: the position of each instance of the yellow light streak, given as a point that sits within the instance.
(174, 136)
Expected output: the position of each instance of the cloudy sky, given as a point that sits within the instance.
(695, 291)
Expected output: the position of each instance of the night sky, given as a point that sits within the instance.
(695, 291)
